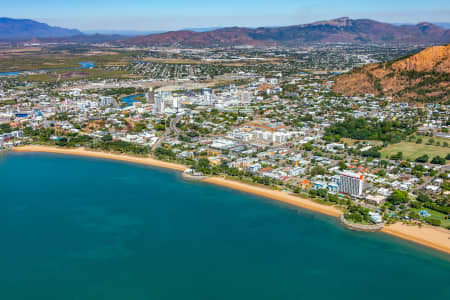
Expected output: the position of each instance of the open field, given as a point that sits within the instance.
(36, 60)
(224, 62)
(413, 150)
(20, 50)
(95, 73)
(351, 142)
(435, 215)
(435, 138)
(171, 61)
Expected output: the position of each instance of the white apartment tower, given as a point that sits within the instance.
(150, 96)
(351, 183)
(159, 107)
(246, 97)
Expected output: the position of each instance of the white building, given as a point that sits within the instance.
(351, 183)
(159, 107)
(296, 171)
(375, 217)
(106, 100)
(246, 97)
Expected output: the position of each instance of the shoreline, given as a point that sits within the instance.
(426, 235)
(101, 154)
(276, 195)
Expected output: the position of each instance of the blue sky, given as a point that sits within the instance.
(176, 14)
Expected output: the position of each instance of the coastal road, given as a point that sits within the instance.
(161, 139)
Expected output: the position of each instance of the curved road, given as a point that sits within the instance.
(172, 127)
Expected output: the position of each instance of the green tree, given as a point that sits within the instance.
(422, 159)
(107, 138)
(423, 198)
(437, 160)
(433, 222)
(308, 147)
(398, 197)
(398, 156)
(318, 170)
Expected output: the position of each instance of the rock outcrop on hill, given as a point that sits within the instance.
(422, 77)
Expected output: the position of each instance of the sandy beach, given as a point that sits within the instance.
(436, 238)
(92, 153)
(276, 195)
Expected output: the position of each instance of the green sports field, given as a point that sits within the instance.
(413, 150)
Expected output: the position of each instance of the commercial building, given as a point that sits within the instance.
(150, 96)
(161, 99)
(245, 97)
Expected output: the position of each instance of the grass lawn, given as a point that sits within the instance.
(413, 150)
(84, 74)
(61, 60)
(426, 138)
(351, 142)
(435, 215)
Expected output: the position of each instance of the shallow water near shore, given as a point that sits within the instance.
(86, 228)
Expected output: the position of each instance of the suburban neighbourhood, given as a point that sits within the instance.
(280, 125)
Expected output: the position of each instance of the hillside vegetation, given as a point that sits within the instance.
(422, 77)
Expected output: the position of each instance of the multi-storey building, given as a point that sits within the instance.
(351, 183)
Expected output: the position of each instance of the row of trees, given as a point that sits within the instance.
(437, 160)
(43, 135)
(362, 129)
(122, 147)
(5, 128)
(357, 214)
(123, 91)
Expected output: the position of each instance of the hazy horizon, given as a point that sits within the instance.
(141, 16)
(133, 32)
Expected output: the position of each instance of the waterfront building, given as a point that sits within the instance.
(375, 217)
(320, 185)
(351, 183)
(333, 187)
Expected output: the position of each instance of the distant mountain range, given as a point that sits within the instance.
(20, 29)
(443, 25)
(342, 30)
(132, 33)
(424, 76)
(79, 39)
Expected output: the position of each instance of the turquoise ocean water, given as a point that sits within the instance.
(84, 228)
